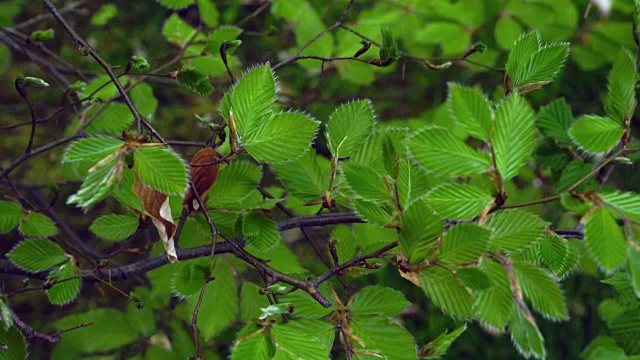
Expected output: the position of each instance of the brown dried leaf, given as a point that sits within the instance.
(156, 206)
(203, 177)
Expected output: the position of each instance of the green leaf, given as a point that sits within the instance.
(474, 278)
(571, 174)
(543, 66)
(96, 185)
(275, 310)
(11, 215)
(348, 127)
(219, 36)
(464, 243)
(161, 168)
(604, 239)
(543, 292)
(525, 335)
(104, 14)
(447, 292)
(627, 202)
(383, 336)
(452, 38)
(65, 291)
(322, 331)
(621, 99)
(113, 119)
(234, 182)
(506, 31)
(373, 213)
(412, 183)
(378, 300)
(124, 194)
(603, 347)
(16, 347)
(109, 330)
(101, 88)
(514, 135)
(192, 277)
(252, 98)
(366, 183)
(115, 227)
(634, 269)
(219, 304)
(282, 137)
(208, 12)
(256, 345)
(42, 35)
(302, 177)
(143, 99)
(596, 134)
(176, 4)
(194, 80)
(421, 226)
(434, 147)
(554, 121)
(493, 307)
(514, 230)
(306, 306)
(139, 63)
(292, 344)
(25, 81)
(261, 232)
(626, 330)
(459, 202)
(471, 109)
(346, 242)
(251, 301)
(37, 255)
(521, 51)
(389, 50)
(92, 149)
(558, 254)
(143, 319)
(441, 344)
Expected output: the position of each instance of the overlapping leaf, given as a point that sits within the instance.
(349, 126)
(596, 134)
(444, 289)
(514, 135)
(514, 230)
(378, 300)
(67, 286)
(464, 243)
(543, 292)
(457, 201)
(471, 109)
(161, 168)
(605, 239)
(252, 98)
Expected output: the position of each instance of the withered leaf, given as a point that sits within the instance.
(203, 177)
(156, 206)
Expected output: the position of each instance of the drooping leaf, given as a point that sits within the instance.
(457, 201)
(421, 226)
(349, 126)
(194, 80)
(621, 99)
(514, 135)
(380, 335)
(37, 255)
(292, 344)
(378, 300)
(11, 215)
(543, 292)
(261, 231)
(605, 239)
(67, 286)
(464, 243)
(161, 168)
(115, 227)
(37, 224)
(252, 99)
(366, 183)
(192, 277)
(554, 121)
(203, 177)
(471, 109)
(220, 302)
(493, 306)
(526, 335)
(514, 230)
(439, 346)
(434, 148)
(302, 177)
(97, 184)
(447, 292)
(282, 137)
(156, 205)
(596, 134)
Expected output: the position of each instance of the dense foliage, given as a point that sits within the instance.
(368, 179)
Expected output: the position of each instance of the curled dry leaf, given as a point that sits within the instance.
(156, 206)
(203, 177)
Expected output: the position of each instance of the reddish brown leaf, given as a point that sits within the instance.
(156, 206)
(203, 177)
